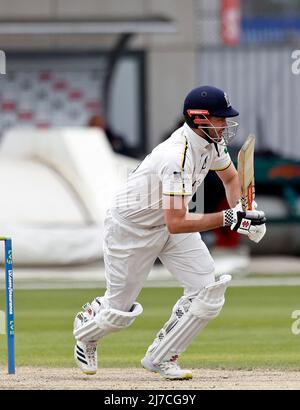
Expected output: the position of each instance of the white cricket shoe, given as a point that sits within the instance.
(168, 370)
(85, 355)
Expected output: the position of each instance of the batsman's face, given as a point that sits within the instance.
(218, 129)
(219, 124)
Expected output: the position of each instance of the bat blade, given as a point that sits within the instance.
(246, 172)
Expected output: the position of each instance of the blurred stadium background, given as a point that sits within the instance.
(91, 87)
(87, 89)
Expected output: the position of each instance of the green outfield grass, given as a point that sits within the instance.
(253, 330)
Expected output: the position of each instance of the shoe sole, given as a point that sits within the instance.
(186, 376)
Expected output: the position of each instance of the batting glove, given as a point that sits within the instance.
(242, 221)
(257, 232)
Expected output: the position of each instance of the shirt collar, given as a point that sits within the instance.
(193, 138)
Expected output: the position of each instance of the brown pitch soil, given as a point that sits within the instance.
(39, 378)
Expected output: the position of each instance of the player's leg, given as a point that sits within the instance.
(129, 255)
(188, 259)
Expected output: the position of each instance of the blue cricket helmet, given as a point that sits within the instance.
(206, 100)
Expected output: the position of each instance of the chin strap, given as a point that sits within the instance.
(217, 149)
(206, 134)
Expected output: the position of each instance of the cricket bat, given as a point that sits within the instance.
(246, 172)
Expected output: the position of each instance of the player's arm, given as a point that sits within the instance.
(179, 220)
(231, 182)
(177, 191)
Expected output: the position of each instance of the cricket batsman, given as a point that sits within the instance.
(149, 219)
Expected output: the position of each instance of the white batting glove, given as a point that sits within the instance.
(256, 233)
(242, 221)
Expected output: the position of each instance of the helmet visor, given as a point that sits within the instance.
(221, 135)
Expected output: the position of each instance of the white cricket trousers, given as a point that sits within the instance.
(130, 252)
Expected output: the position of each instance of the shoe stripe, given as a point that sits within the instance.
(81, 355)
(81, 360)
(79, 348)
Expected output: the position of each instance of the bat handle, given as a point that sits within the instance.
(250, 197)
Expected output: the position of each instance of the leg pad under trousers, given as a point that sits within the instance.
(173, 340)
(106, 320)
